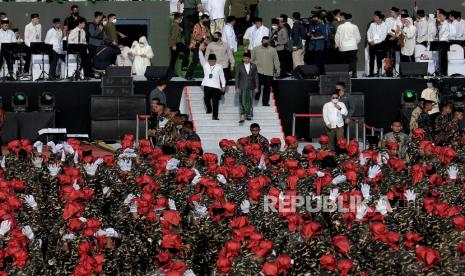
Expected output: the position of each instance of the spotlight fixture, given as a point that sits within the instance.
(409, 99)
(458, 99)
(47, 102)
(19, 102)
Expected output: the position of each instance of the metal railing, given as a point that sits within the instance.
(366, 127)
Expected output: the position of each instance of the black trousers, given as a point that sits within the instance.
(212, 96)
(189, 19)
(27, 60)
(180, 48)
(266, 82)
(227, 74)
(9, 60)
(285, 59)
(317, 58)
(239, 29)
(376, 52)
(443, 49)
(332, 56)
(253, 10)
(195, 61)
(350, 57)
(53, 60)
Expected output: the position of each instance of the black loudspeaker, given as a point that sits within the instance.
(118, 91)
(117, 108)
(116, 81)
(411, 69)
(317, 102)
(304, 72)
(328, 83)
(157, 72)
(114, 129)
(118, 71)
(317, 127)
(336, 68)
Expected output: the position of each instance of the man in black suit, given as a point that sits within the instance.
(246, 86)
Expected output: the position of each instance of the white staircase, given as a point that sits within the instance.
(211, 132)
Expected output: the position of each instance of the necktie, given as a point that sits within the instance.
(79, 37)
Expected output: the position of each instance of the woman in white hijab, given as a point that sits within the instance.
(142, 54)
(409, 32)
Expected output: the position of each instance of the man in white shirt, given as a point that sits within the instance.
(258, 33)
(228, 34)
(422, 28)
(333, 113)
(78, 36)
(247, 37)
(393, 22)
(32, 33)
(347, 39)
(443, 40)
(457, 27)
(213, 82)
(6, 36)
(54, 37)
(376, 35)
(461, 27)
(216, 11)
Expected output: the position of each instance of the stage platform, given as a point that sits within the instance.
(382, 98)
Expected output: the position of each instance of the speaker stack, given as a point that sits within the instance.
(113, 114)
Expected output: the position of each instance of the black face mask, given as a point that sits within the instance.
(76, 13)
(215, 39)
(205, 23)
(338, 90)
(265, 45)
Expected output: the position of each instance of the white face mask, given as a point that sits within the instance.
(141, 44)
(334, 101)
(105, 23)
(114, 21)
(274, 27)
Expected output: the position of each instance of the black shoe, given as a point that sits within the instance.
(249, 118)
(241, 121)
(215, 118)
(209, 112)
(371, 75)
(10, 78)
(257, 97)
(266, 104)
(189, 78)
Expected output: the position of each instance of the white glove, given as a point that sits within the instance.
(189, 272)
(221, 179)
(196, 179)
(111, 233)
(129, 198)
(410, 195)
(30, 201)
(37, 162)
(172, 164)
(196, 171)
(90, 169)
(68, 148)
(373, 171)
(383, 158)
(365, 188)
(281, 196)
(452, 171)
(363, 160)
(334, 194)
(76, 185)
(262, 165)
(3, 163)
(76, 157)
(63, 156)
(52, 147)
(54, 169)
(361, 211)
(98, 162)
(128, 153)
(133, 207)
(171, 204)
(39, 146)
(383, 206)
(27, 231)
(105, 190)
(163, 123)
(125, 165)
(339, 179)
(320, 174)
(82, 219)
(59, 147)
(245, 206)
(5, 227)
(101, 233)
(68, 237)
(200, 211)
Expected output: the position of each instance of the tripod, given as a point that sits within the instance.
(40, 48)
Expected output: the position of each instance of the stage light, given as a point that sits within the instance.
(458, 99)
(19, 102)
(47, 102)
(409, 96)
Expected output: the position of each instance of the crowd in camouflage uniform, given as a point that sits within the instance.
(144, 212)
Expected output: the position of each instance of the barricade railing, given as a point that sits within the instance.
(357, 122)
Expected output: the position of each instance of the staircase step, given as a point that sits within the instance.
(234, 116)
(264, 123)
